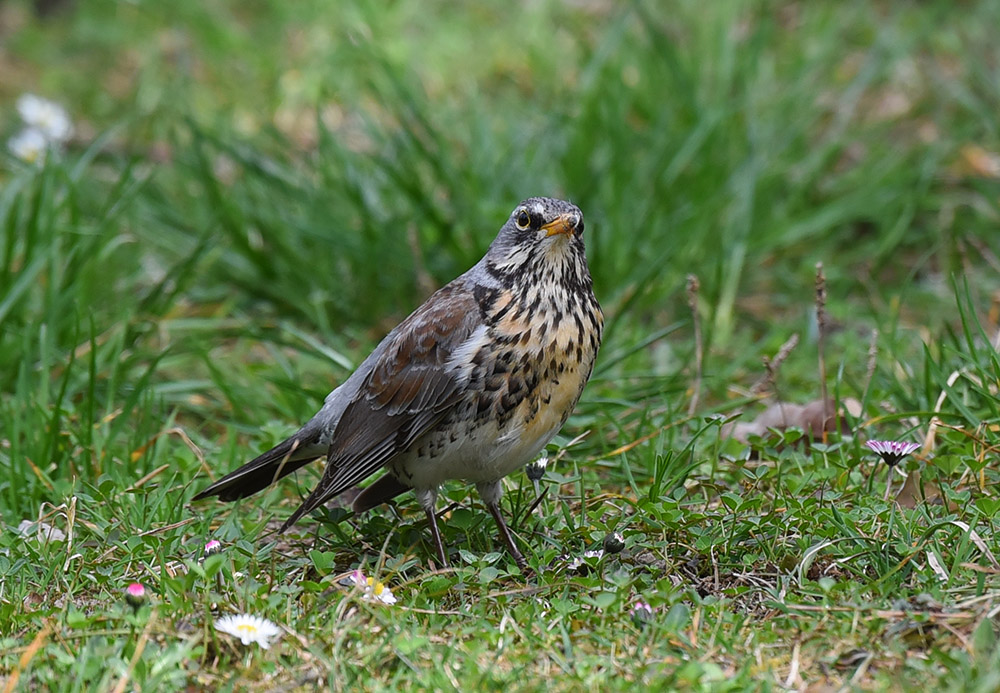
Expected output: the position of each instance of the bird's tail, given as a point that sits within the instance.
(262, 471)
(382, 491)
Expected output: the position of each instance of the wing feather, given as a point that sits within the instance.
(411, 387)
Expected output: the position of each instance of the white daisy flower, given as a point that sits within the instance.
(40, 530)
(249, 629)
(891, 451)
(381, 593)
(46, 116)
(372, 590)
(579, 562)
(29, 145)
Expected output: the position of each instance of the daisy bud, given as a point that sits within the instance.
(536, 470)
(135, 595)
(641, 613)
(614, 542)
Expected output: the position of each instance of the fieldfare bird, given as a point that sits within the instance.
(470, 386)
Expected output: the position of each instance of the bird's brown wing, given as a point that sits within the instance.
(413, 383)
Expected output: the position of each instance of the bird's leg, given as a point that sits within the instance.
(427, 499)
(491, 493)
(438, 544)
(507, 538)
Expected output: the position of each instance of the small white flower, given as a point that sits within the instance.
(372, 590)
(40, 530)
(46, 116)
(579, 561)
(891, 451)
(381, 593)
(249, 629)
(29, 145)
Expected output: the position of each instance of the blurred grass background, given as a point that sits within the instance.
(257, 191)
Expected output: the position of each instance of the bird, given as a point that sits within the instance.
(470, 386)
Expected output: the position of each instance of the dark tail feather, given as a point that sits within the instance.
(264, 470)
(385, 489)
(312, 501)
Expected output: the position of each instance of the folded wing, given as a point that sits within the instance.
(421, 370)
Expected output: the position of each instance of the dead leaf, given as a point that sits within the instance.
(813, 418)
(979, 161)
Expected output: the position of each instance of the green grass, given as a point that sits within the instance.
(257, 192)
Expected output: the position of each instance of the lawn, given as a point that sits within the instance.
(255, 193)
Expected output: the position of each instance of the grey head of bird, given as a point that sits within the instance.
(543, 236)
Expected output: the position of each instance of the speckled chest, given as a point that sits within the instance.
(540, 356)
(524, 382)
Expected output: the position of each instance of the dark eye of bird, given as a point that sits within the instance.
(523, 220)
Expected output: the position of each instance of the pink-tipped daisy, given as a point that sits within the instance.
(891, 451)
(641, 613)
(249, 629)
(213, 547)
(135, 595)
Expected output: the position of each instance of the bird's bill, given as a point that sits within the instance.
(564, 224)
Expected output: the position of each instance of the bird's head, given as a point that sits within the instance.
(540, 231)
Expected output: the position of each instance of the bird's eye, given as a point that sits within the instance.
(523, 221)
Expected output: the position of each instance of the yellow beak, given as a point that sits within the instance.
(564, 224)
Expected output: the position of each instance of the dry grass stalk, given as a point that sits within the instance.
(821, 323)
(771, 366)
(692, 297)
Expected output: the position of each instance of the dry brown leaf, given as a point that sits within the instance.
(813, 418)
(979, 161)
